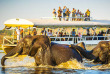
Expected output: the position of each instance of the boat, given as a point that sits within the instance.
(54, 23)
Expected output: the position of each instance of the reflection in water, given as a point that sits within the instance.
(42, 70)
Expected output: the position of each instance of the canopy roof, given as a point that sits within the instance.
(57, 23)
(18, 22)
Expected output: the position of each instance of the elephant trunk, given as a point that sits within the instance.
(3, 61)
(85, 53)
(13, 53)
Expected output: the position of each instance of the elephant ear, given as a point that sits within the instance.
(43, 55)
(41, 50)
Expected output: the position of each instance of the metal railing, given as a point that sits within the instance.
(8, 40)
(70, 18)
(75, 40)
(67, 40)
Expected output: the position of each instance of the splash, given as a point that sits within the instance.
(104, 66)
(72, 64)
(21, 60)
(24, 60)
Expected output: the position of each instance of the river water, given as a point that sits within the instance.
(26, 65)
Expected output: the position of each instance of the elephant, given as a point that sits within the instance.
(44, 51)
(100, 54)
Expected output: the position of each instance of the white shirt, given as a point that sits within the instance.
(18, 31)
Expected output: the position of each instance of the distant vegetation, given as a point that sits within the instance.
(4, 33)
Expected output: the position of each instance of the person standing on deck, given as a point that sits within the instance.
(21, 32)
(64, 14)
(78, 15)
(54, 14)
(79, 35)
(48, 31)
(88, 14)
(59, 13)
(18, 34)
(34, 32)
(73, 33)
(67, 14)
(43, 32)
(73, 14)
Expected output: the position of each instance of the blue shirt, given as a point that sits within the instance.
(64, 10)
(73, 33)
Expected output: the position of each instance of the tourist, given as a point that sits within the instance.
(34, 32)
(21, 32)
(67, 14)
(78, 15)
(54, 13)
(43, 32)
(59, 13)
(50, 33)
(82, 16)
(102, 32)
(99, 38)
(73, 33)
(18, 34)
(64, 14)
(79, 35)
(65, 39)
(73, 14)
(88, 14)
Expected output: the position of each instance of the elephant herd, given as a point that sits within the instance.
(48, 53)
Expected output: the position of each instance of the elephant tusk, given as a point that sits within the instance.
(12, 56)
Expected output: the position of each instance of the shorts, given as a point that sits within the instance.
(73, 15)
(64, 15)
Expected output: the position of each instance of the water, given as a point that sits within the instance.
(26, 65)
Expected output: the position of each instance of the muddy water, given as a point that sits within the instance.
(26, 65)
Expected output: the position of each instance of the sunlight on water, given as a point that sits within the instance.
(73, 64)
(21, 60)
(104, 66)
(24, 60)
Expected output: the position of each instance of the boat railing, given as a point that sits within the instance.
(66, 40)
(8, 40)
(70, 18)
(85, 39)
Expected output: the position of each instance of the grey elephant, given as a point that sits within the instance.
(43, 51)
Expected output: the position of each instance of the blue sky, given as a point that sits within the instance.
(33, 9)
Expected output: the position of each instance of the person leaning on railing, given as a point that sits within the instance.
(78, 15)
(73, 14)
(88, 14)
(67, 14)
(34, 32)
(99, 38)
(54, 13)
(59, 13)
(43, 32)
(64, 14)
